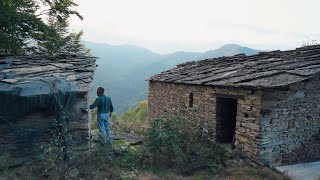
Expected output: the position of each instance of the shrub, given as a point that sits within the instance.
(134, 120)
(100, 162)
(178, 143)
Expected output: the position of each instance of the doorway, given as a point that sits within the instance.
(226, 113)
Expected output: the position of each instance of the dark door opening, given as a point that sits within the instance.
(226, 113)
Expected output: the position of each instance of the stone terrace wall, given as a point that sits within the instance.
(168, 99)
(289, 118)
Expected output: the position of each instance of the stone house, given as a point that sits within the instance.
(268, 102)
(34, 90)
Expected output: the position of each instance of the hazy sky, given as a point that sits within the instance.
(199, 25)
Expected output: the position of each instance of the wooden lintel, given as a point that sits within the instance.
(228, 96)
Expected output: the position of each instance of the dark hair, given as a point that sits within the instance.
(100, 90)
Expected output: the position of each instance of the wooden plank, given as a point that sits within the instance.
(228, 96)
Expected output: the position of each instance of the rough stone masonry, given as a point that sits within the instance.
(276, 95)
(29, 85)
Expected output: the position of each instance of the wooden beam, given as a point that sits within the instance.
(228, 96)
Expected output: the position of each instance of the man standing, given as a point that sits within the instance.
(105, 109)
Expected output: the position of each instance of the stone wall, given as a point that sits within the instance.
(80, 121)
(289, 117)
(168, 99)
(26, 78)
(20, 142)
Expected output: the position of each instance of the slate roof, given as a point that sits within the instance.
(264, 70)
(23, 69)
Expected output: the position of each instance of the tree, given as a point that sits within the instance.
(58, 39)
(29, 26)
(18, 22)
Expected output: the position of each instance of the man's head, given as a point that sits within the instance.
(100, 91)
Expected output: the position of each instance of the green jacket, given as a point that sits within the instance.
(103, 103)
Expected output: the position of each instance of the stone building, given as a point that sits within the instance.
(36, 92)
(268, 102)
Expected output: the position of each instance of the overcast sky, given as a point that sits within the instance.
(199, 25)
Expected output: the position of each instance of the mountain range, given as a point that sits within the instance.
(123, 69)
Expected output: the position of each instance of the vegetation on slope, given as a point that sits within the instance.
(122, 70)
(174, 148)
(179, 144)
(135, 119)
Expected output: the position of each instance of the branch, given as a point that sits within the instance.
(43, 12)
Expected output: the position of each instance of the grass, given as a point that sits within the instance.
(101, 162)
(122, 163)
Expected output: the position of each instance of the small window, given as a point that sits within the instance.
(191, 100)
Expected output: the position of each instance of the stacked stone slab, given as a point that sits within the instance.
(74, 69)
(277, 98)
(289, 118)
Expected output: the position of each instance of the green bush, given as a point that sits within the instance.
(179, 144)
(135, 119)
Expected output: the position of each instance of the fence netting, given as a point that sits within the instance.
(33, 112)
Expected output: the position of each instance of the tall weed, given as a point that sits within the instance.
(179, 143)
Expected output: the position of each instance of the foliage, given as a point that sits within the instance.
(122, 161)
(179, 143)
(100, 162)
(18, 24)
(94, 121)
(135, 119)
(29, 26)
(309, 42)
(58, 39)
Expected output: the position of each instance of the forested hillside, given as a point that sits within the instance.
(122, 70)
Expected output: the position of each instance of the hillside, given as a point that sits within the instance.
(228, 50)
(122, 70)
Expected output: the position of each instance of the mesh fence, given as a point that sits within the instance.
(53, 97)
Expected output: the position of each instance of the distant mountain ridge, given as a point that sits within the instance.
(122, 69)
(228, 50)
